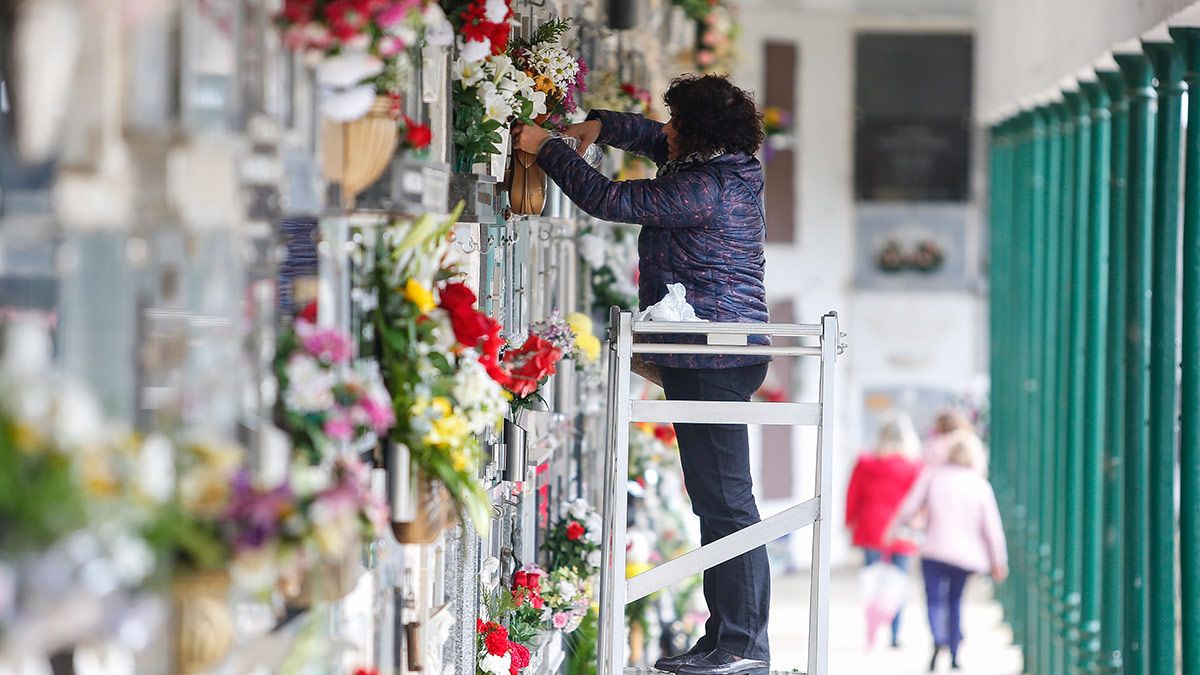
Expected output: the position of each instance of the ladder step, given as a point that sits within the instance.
(647, 670)
(630, 670)
(743, 350)
(725, 412)
(702, 327)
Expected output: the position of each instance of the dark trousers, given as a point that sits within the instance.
(944, 585)
(900, 560)
(716, 473)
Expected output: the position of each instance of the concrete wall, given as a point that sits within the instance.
(927, 338)
(1026, 46)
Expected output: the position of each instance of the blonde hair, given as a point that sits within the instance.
(965, 450)
(952, 420)
(897, 435)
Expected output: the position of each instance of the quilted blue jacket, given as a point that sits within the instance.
(702, 226)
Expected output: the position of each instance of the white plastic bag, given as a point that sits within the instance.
(884, 588)
(673, 307)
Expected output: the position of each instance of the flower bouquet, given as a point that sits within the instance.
(498, 655)
(558, 74)
(606, 91)
(568, 597)
(777, 126)
(529, 614)
(324, 398)
(358, 47)
(336, 514)
(436, 353)
(574, 541)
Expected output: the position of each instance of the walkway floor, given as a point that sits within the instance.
(986, 649)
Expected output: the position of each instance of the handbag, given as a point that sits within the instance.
(526, 184)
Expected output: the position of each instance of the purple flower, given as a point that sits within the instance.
(255, 514)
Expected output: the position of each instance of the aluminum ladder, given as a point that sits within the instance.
(720, 338)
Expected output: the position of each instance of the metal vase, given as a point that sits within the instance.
(515, 440)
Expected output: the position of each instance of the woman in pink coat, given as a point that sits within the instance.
(963, 536)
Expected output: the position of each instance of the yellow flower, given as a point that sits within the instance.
(580, 323)
(458, 459)
(419, 295)
(419, 406)
(442, 406)
(633, 569)
(448, 431)
(28, 438)
(589, 345)
(545, 84)
(772, 117)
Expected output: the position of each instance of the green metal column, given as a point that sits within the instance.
(1096, 238)
(1076, 295)
(1018, 290)
(1034, 278)
(1142, 113)
(1164, 361)
(1114, 385)
(1189, 463)
(1062, 446)
(1051, 236)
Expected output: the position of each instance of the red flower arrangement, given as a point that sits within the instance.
(496, 646)
(527, 588)
(490, 29)
(520, 371)
(575, 531)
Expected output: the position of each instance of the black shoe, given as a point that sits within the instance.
(720, 662)
(671, 664)
(954, 662)
(933, 661)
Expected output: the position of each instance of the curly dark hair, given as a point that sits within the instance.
(711, 114)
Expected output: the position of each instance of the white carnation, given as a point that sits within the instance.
(497, 665)
(476, 50)
(592, 250)
(594, 559)
(348, 69)
(495, 10)
(310, 387)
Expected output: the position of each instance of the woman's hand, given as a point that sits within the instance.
(999, 573)
(529, 137)
(587, 133)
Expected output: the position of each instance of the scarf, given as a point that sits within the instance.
(687, 161)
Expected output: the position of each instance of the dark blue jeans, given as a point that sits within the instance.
(716, 473)
(944, 585)
(900, 560)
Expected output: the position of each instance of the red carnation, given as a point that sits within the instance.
(520, 658)
(574, 531)
(419, 135)
(298, 11)
(538, 603)
(309, 313)
(497, 642)
(346, 19)
(456, 295)
(665, 433)
(480, 626)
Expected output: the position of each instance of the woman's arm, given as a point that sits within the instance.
(993, 532)
(632, 133)
(686, 199)
(913, 502)
(853, 491)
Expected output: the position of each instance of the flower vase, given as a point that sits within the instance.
(201, 620)
(331, 578)
(526, 184)
(427, 513)
(355, 154)
(515, 450)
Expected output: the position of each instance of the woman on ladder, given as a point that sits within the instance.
(703, 227)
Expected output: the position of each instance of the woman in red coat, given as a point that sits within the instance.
(881, 479)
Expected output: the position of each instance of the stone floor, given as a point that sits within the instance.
(986, 649)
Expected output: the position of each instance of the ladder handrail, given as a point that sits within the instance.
(615, 591)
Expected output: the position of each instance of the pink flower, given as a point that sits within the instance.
(393, 13)
(561, 619)
(390, 46)
(705, 58)
(329, 345)
(379, 413)
(340, 427)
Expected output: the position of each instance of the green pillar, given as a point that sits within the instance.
(1076, 295)
(1164, 361)
(1036, 459)
(1189, 464)
(1114, 385)
(1139, 77)
(1062, 408)
(1051, 237)
(1096, 313)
